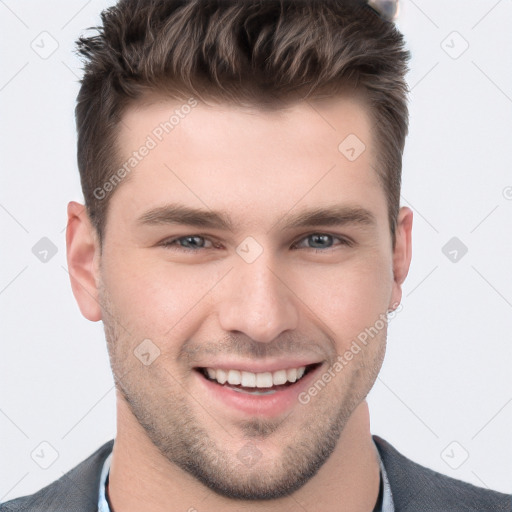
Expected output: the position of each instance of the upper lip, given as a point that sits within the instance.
(259, 366)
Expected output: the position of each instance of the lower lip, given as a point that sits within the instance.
(262, 405)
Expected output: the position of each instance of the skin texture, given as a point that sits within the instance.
(303, 296)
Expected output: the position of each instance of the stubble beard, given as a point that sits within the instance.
(171, 425)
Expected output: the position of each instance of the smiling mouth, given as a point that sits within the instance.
(264, 383)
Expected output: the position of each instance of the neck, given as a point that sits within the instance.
(141, 478)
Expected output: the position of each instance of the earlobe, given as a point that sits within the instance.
(402, 254)
(83, 256)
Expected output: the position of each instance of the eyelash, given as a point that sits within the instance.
(172, 244)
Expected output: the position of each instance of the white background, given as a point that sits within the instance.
(447, 375)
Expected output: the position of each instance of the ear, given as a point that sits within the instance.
(402, 254)
(83, 255)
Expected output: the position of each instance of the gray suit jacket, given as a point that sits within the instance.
(414, 488)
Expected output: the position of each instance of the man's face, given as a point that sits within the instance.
(265, 294)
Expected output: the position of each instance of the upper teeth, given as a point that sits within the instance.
(256, 380)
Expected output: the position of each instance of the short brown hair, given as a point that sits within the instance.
(258, 52)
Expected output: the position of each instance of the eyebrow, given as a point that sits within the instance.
(330, 216)
(180, 214)
(336, 215)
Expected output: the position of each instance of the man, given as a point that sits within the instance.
(240, 163)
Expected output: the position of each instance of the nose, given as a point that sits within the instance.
(257, 301)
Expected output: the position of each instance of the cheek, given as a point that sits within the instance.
(351, 298)
(153, 300)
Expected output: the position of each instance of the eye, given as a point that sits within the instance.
(190, 243)
(323, 241)
(319, 241)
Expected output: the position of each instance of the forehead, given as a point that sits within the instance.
(158, 116)
(171, 122)
(216, 154)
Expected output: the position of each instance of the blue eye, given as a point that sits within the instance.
(186, 243)
(319, 242)
(322, 241)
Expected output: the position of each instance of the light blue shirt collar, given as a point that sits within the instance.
(102, 501)
(387, 501)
